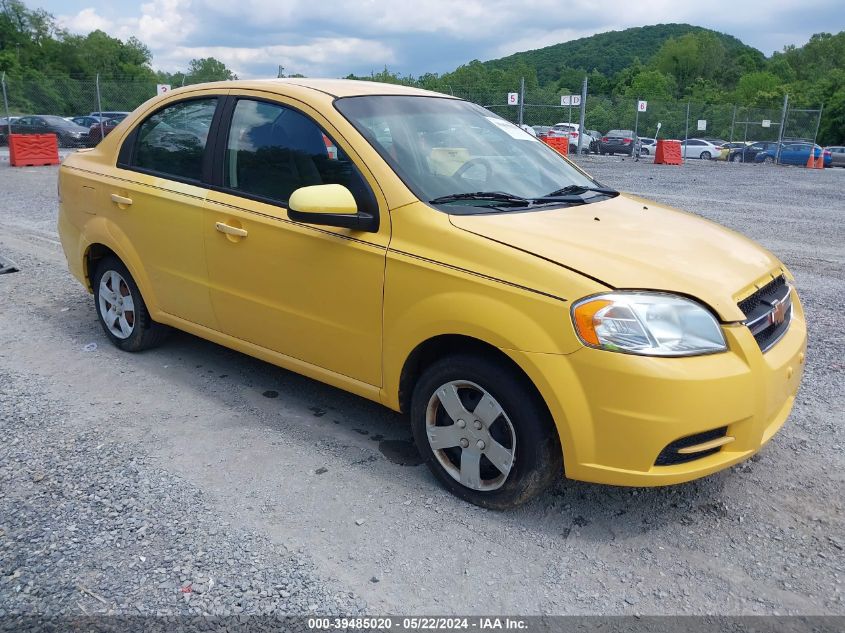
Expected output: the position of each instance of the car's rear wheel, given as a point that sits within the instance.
(769, 160)
(484, 433)
(121, 308)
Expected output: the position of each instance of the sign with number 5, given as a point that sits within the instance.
(513, 98)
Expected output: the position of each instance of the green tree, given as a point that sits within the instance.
(209, 69)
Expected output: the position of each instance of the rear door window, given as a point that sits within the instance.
(172, 141)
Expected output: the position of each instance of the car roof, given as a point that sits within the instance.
(332, 87)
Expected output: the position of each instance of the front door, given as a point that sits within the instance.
(313, 293)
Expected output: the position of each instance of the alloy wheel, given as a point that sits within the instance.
(470, 435)
(117, 308)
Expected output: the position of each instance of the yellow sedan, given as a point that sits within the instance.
(420, 251)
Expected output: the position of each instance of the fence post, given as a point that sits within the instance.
(816, 133)
(583, 113)
(6, 105)
(521, 98)
(782, 125)
(686, 136)
(733, 120)
(100, 108)
(636, 125)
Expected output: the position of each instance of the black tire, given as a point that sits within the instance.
(705, 156)
(145, 332)
(769, 160)
(537, 457)
(734, 158)
(644, 151)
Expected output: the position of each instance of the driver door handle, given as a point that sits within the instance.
(230, 230)
(121, 199)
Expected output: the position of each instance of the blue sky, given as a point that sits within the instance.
(335, 37)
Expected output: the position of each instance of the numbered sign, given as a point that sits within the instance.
(513, 98)
(642, 106)
(702, 124)
(162, 88)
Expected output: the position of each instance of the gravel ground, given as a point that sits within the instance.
(270, 483)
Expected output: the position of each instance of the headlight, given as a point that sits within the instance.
(647, 323)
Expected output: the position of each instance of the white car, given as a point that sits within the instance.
(572, 130)
(647, 145)
(699, 148)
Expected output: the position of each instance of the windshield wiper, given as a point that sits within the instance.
(577, 190)
(495, 196)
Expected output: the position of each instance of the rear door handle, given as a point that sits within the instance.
(121, 199)
(230, 230)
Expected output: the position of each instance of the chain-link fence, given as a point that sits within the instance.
(678, 119)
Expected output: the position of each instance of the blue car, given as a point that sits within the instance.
(793, 154)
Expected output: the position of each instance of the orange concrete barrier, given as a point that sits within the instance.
(558, 143)
(33, 150)
(667, 153)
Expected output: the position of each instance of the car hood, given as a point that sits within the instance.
(627, 242)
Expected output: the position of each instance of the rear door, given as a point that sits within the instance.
(155, 196)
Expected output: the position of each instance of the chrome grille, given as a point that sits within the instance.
(768, 312)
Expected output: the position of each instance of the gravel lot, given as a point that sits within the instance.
(195, 479)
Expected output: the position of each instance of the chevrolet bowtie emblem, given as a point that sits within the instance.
(778, 313)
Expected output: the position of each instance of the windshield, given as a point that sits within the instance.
(446, 147)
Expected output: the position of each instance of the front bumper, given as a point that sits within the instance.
(616, 412)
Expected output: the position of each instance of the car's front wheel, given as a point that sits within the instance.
(705, 156)
(484, 433)
(121, 308)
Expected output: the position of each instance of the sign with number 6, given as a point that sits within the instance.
(641, 106)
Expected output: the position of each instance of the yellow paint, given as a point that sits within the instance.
(349, 307)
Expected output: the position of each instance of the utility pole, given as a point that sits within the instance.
(782, 125)
(100, 108)
(521, 98)
(583, 114)
(281, 71)
(6, 105)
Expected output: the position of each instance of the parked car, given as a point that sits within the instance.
(97, 131)
(619, 142)
(837, 155)
(730, 149)
(483, 300)
(595, 140)
(86, 121)
(68, 134)
(112, 114)
(542, 131)
(647, 145)
(571, 131)
(746, 154)
(699, 148)
(793, 154)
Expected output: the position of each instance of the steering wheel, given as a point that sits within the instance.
(472, 162)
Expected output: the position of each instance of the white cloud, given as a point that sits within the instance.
(308, 59)
(85, 21)
(333, 37)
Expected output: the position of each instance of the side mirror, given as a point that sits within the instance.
(330, 205)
